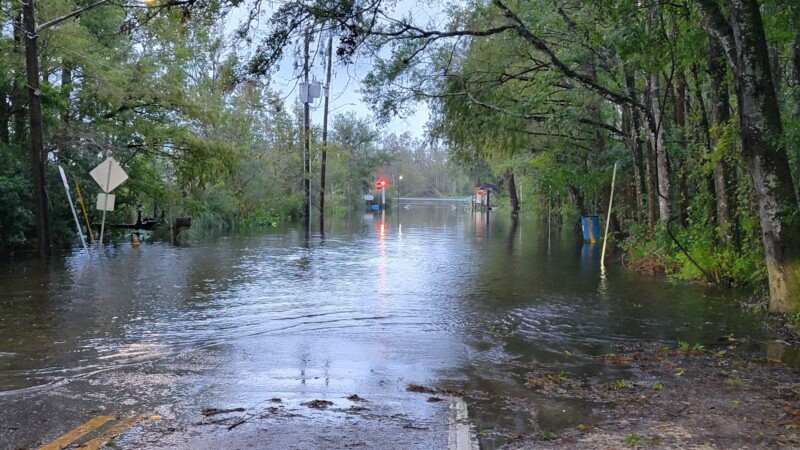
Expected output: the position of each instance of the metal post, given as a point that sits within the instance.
(608, 218)
(85, 216)
(399, 194)
(105, 202)
(72, 207)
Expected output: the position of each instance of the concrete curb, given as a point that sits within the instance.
(461, 436)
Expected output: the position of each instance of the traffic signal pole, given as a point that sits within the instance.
(381, 186)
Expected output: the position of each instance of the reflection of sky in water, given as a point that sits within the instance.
(414, 294)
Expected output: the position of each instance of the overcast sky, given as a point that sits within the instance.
(345, 93)
(346, 82)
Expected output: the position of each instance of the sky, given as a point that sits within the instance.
(345, 96)
(346, 82)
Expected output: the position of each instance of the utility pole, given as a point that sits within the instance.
(38, 156)
(325, 137)
(38, 168)
(306, 141)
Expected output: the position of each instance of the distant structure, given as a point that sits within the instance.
(482, 200)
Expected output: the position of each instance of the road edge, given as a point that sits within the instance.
(461, 435)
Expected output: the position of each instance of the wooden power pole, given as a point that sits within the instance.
(306, 141)
(325, 137)
(38, 156)
(38, 167)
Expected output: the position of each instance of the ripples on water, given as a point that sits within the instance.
(505, 292)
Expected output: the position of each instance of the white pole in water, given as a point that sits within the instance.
(608, 218)
(72, 207)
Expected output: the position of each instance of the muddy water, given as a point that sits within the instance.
(432, 295)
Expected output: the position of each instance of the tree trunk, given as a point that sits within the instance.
(636, 158)
(745, 45)
(705, 138)
(66, 87)
(652, 187)
(17, 95)
(5, 90)
(681, 170)
(512, 192)
(5, 115)
(577, 199)
(634, 142)
(656, 129)
(796, 69)
(650, 176)
(720, 114)
(658, 142)
(796, 79)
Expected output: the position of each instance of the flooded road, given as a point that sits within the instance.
(432, 295)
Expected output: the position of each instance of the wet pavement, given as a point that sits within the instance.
(264, 323)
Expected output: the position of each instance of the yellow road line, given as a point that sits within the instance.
(109, 434)
(78, 432)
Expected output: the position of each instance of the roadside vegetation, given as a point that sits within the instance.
(697, 103)
(164, 92)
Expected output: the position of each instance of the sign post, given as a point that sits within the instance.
(72, 206)
(108, 176)
(381, 186)
(85, 216)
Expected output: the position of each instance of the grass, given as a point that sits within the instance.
(685, 347)
(623, 384)
(736, 382)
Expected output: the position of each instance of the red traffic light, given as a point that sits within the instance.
(380, 184)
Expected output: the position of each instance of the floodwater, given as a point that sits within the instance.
(432, 295)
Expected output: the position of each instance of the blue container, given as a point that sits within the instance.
(591, 228)
(375, 207)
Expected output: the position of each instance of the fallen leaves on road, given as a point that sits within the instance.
(318, 404)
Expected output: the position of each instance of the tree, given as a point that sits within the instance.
(742, 37)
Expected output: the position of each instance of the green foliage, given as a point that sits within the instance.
(725, 265)
(700, 250)
(736, 382)
(723, 262)
(623, 384)
(550, 99)
(15, 193)
(632, 439)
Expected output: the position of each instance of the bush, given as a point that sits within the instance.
(17, 220)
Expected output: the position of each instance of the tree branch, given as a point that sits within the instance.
(584, 80)
(714, 21)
